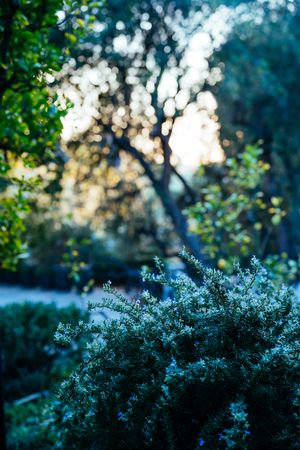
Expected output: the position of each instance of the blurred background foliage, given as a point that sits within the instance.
(126, 173)
(261, 102)
(237, 219)
(34, 366)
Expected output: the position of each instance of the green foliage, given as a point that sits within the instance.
(217, 218)
(12, 211)
(259, 99)
(27, 426)
(237, 435)
(33, 364)
(32, 46)
(68, 258)
(215, 366)
(236, 218)
(75, 255)
(282, 268)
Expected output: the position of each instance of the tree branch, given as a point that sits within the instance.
(124, 143)
(189, 190)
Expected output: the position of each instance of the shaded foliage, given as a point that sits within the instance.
(258, 99)
(33, 364)
(31, 361)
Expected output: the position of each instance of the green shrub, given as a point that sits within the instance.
(216, 366)
(31, 360)
(27, 426)
(236, 218)
(33, 364)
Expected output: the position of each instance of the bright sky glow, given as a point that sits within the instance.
(195, 135)
(195, 139)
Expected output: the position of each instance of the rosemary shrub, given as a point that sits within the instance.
(214, 367)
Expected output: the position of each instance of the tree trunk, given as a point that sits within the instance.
(161, 187)
(180, 223)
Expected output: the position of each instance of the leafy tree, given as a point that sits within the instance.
(215, 366)
(33, 45)
(236, 219)
(258, 99)
(135, 73)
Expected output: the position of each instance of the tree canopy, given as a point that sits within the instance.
(135, 78)
(261, 101)
(34, 44)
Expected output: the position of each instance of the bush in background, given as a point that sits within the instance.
(69, 245)
(33, 364)
(236, 219)
(215, 366)
(31, 360)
